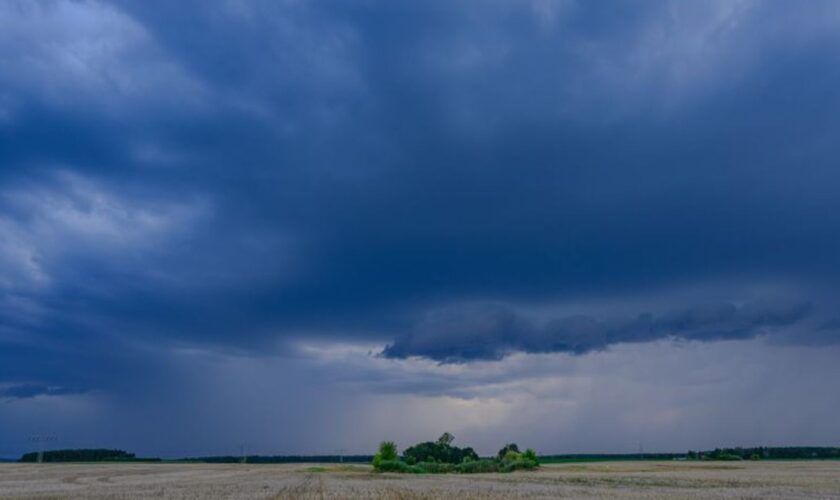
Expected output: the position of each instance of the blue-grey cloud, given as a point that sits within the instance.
(237, 177)
(489, 332)
(22, 391)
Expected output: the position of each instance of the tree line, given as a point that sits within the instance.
(767, 453)
(443, 451)
(85, 455)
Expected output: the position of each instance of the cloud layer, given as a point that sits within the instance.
(491, 332)
(438, 183)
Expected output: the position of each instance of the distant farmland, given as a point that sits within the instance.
(617, 479)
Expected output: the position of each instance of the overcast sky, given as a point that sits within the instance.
(311, 226)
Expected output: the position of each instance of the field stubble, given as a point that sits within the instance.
(649, 480)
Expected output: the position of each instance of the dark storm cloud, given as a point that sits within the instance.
(22, 391)
(228, 175)
(490, 332)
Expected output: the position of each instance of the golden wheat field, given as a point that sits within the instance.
(649, 480)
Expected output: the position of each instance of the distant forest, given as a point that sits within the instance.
(108, 455)
(280, 459)
(759, 453)
(609, 457)
(767, 453)
(86, 455)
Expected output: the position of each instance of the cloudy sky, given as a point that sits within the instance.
(311, 226)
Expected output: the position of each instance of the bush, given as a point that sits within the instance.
(471, 467)
(387, 453)
(507, 448)
(388, 450)
(513, 460)
(391, 466)
(507, 467)
(477, 466)
(522, 463)
(531, 455)
(436, 467)
(527, 464)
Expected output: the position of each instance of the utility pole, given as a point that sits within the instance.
(244, 457)
(41, 439)
(341, 453)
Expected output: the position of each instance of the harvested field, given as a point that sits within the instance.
(649, 480)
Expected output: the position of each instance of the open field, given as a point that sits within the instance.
(742, 480)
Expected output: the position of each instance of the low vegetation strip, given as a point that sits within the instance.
(442, 451)
(279, 459)
(85, 455)
(768, 453)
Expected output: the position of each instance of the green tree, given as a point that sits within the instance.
(508, 447)
(530, 454)
(387, 453)
(388, 450)
(440, 451)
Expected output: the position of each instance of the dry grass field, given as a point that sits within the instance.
(649, 480)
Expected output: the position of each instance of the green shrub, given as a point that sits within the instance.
(436, 467)
(477, 467)
(508, 447)
(388, 450)
(385, 465)
(527, 464)
(398, 466)
(521, 464)
(530, 454)
(471, 467)
(387, 453)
